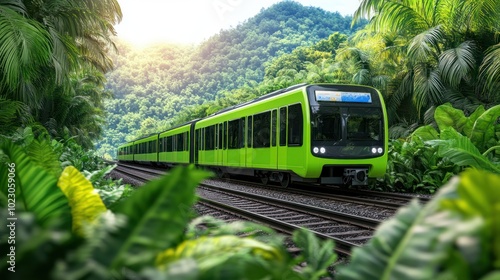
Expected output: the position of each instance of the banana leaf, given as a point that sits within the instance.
(483, 132)
(471, 120)
(35, 189)
(461, 151)
(447, 116)
(425, 133)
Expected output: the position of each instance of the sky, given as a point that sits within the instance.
(192, 21)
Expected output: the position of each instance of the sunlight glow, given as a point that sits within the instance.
(192, 21)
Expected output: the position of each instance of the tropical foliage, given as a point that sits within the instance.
(53, 55)
(428, 158)
(146, 236)
(455, 236)
(437, 52)
(151, 235)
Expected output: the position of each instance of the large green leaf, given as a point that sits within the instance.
(461, 151)
(157, 216)
(455, 236)
(86, 204)
(425, 133)
(404, 247)
(471, 120)
(36, 189)
(483, 132)
(479, 195)
(447, 116)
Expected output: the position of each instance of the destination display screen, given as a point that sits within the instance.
(343, 96)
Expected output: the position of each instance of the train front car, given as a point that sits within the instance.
(348, 134)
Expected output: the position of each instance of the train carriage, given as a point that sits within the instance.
(330, 134)
(320, 133)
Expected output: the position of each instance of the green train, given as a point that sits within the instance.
(316, 133)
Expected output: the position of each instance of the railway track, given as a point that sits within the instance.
(242, 199)
(346, 230)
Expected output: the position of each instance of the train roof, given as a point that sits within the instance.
(262, 97)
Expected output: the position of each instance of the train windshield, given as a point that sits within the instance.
(346, 132)
(327, 126)
(364, 124)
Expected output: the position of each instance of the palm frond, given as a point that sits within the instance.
(366, 9)
(425, 45)
(489, 72)
(397, 16)
(457, 64)
(24, 47)
(428, 87)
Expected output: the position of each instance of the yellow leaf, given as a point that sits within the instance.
(86, 204)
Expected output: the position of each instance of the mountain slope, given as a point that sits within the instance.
(152, 84)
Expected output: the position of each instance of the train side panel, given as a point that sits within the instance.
(146, 149)
(252, 139)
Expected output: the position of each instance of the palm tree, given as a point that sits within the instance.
(452, 52)
(77, 111)
(40, 38)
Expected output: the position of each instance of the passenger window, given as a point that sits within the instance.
(249, 132)
(295, 125)
(262, 130)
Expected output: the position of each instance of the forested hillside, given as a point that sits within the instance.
(153, 84)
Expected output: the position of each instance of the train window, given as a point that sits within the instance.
(249, 131)
(169, 144)
(241, 133)
(180, 142)
(262, 129)
(186, 141)
(219, 142)
(295, 125)
(283, 126)
(273, 127)
(233, 136)
(210, 138)
(327, 126)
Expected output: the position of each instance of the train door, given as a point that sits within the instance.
(282, 136)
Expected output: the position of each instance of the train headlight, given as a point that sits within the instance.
(322, 150)
(316, 150)
(374, 150)
(380, 150)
